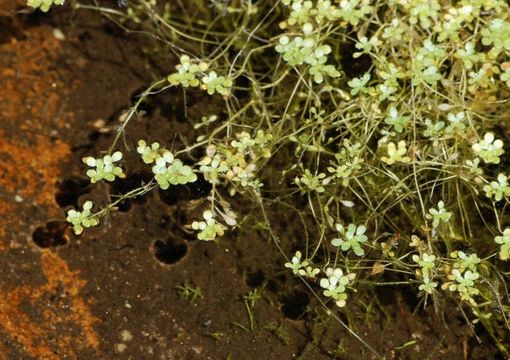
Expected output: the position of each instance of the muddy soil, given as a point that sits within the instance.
(116, 291)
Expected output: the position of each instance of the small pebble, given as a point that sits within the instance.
(58, 34)
(120, 347)
(125, 335)
(99, 123)
(18, 198)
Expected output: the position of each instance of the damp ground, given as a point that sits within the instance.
(140, 286)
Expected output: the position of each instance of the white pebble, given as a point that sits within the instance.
(58, 34)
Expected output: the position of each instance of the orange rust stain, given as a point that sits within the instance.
(30, 80)
(31, 171)
(57, 272)
(69, 308)
(30, 107)
(31, 114)
(30, 110)
(16, 322)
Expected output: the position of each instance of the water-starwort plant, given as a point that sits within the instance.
(82, 219)
(351, 237)
(170, 171)
(439, 215)
(296, 264)
(303, 268)
(187, 72)
(346, 112)
(335, 285)
(44, 5)
(464, 284)
(104, 168)
(498, 189)
(396, 153)
(489, 149)
(209, 228)
(504, 242)
(150, 153)
(398, 122)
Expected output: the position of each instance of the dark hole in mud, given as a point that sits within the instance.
(51, 234)
(192, 191)
(84, 36)
(70, 190)
(294, 305)
(123, 186)
(112, 29)
(94, 136)
(168, 252)
(255, 278)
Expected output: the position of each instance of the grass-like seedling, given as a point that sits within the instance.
(372, 120)
(188, 292)
(249, 303)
